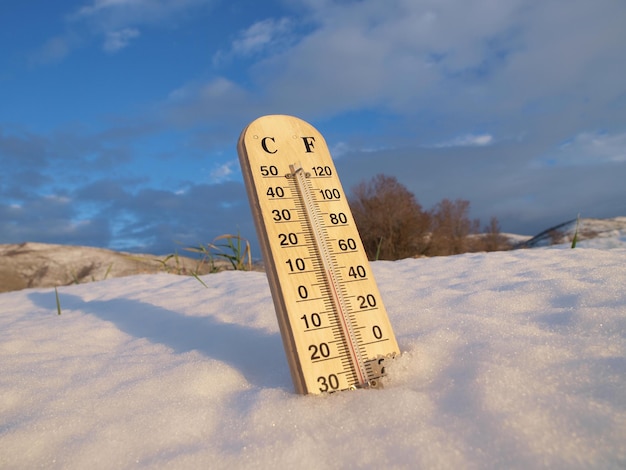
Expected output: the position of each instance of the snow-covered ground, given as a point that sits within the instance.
(510, 360)
(596, 233)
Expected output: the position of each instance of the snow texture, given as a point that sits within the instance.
(510, 360)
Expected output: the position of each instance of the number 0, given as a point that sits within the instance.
(377, 332)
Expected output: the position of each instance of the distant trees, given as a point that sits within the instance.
(451, 228)
(492, 239)
(393, 225)
(391, 222)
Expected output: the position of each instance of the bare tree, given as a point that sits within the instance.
(391, 222)
(451, 227)
(393, 225)
(492, 238)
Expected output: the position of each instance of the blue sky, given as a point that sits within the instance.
(119, 118)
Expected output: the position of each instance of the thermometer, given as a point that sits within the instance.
(334, 327)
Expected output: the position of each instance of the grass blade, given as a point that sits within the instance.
(108, 271)
(575, 239)
(199, 280)
(380, 242)
(56, 294)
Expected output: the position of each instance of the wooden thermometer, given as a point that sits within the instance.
(334, 326)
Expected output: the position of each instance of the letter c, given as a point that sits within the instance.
(264, 144)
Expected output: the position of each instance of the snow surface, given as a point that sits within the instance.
(510, 360)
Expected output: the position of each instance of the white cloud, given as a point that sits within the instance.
(464, 62)
(261, 35)
(608, 147)
(269, 35)
(468, 140)
(393, 54)
(217, 101)
(223, 172)
(340, 149)
(115, 14)
(117, 21)
(116, 40)
(217, 88)
(57, 199)
(588, 148)
(99, 5)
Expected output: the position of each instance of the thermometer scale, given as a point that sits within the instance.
(334, 327)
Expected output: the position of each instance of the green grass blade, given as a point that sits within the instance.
(56, 294)
(380, 242)
(199, 280)
(106, 274)
(575, 239)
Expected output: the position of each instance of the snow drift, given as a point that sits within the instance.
(510, 360)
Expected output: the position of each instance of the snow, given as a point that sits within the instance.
(591, 233)
(510, 360)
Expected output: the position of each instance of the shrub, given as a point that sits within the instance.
(393, 225)
(451, 227)
(391, 222)
(492, 238)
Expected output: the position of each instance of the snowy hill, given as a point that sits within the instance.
(510, 360)
(47, 265)
(597, 233)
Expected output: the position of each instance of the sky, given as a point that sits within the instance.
(119, 119)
